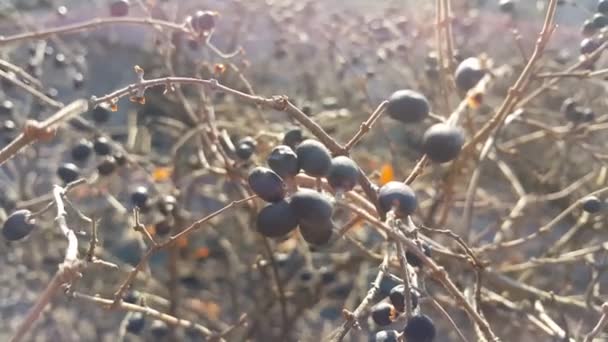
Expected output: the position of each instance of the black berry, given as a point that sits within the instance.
(442, 142)
(408, 106)
(397, 298)
(284, 161)
(419, 328)
(588, 45)
(386, 336)
(203, 21)
(591, 204)
(316, 233)
(507, 6)
(314, 158)
(7, 107)
(18, 225)
(571, 110)
(414, 260)
(293, 137)
(266, 184)
(100, 115)
(599, 20)
(82, 150)
(106, 166)
(383, 313)
(276, 220)
(136, 323)
(102, 146)
(343, 174)
(397, 196)
(602, 6)
(167, 204)
(244, 151)
(311, 207)
(468, 73)
(159, 329)
(139, 197)
(68, 172)
(163, 227)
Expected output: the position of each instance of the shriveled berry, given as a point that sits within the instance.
(276, 220)
(386, 336)
(159, 329)
(317, 233)
(314, 158)
(293, 137)
(203, 21)
(102, 146)
(414, 260)
(136, 323)
(18, 225)
(311, 207)
(139, 197)
(284, 161)
(106, 166)
(408, 106)
(100, 114)
(397, 196)
(68, 172)
(419, 328)
(82, 150)
(119, 8)
(383, 313)
(591, 204)
(588, 45)
(468, 73)
(397, 298)
(343, 174)
(266, 184)
(442, 142)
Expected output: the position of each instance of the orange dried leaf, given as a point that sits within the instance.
(114, 107)
(387, 174)
(161, 174)
(219, 68)
(151, 229)
(181, 242)
(474, 100)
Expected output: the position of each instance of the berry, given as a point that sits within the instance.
(419, 328)
(244, 151)
(408, 106)
(314, 158)
(414, 260)
(119, 8)
(284, 161)
(7, 107)
(591, 204)
(599, 20)
(167, 204)
(383, 313)
(82, 150)
(311, 207)
(163, 227)
(248, 141)
(588, 45)
(18, 225)
(131, 297)
(276, 220)
(571, 110)
(397, 298)
(139, 197)
(442, 142)
(159, 329)
(328, 275)
(386, 336)
(68, 172)
(100, 115)
(588, 115)
(317, 233)
(507, 6)
(468, 73)
(203, 21)
(397, 196)
(602, 6)
(60, 60)
(266, 184)
(293, 137)
(78, 80)
(588, 28)
(343, 174)
(106, 166)
(136, 323)
(102, 146)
